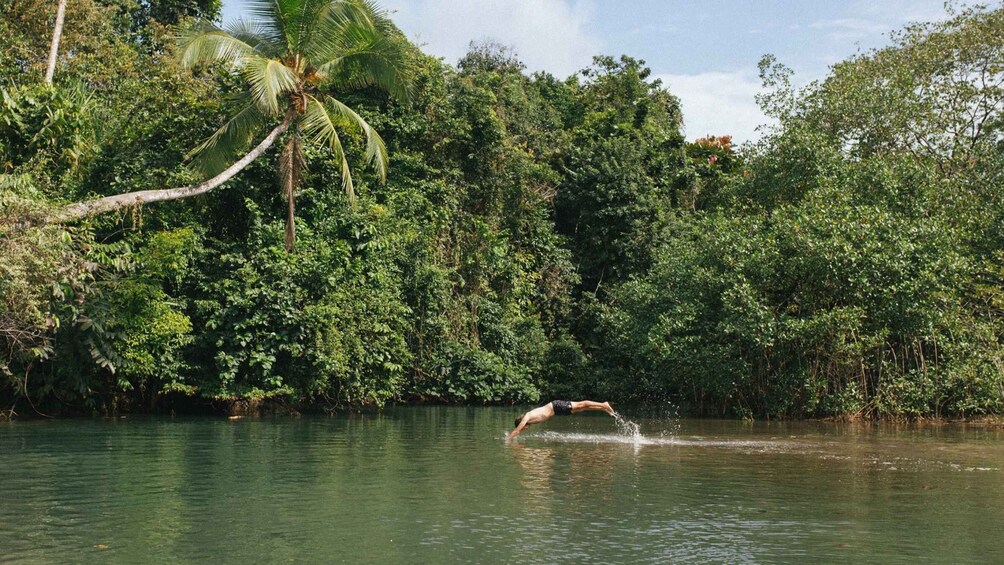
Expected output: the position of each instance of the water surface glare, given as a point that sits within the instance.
(431, 485)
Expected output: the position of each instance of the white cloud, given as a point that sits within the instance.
(718, 103)
(549, 35)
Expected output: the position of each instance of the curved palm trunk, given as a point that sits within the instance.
(57, 32)
(82, 210)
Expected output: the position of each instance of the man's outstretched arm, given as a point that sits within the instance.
(519, 428)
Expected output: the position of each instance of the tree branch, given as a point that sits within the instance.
(82, 210)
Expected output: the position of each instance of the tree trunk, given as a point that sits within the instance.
(57, 32)
(82, 210)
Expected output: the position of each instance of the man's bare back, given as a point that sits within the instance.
(561, 407)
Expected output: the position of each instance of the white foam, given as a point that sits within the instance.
(628, 429)
(657, 441)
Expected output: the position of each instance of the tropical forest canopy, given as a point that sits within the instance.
(527, 236)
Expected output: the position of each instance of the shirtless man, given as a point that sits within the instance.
(559, 407)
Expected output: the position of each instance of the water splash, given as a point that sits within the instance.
(749, 446)
(628, 428)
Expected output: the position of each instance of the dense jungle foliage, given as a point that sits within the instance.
(535, 236)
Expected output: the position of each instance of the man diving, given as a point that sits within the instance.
(559, 407)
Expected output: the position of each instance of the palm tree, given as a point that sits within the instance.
(293, 54)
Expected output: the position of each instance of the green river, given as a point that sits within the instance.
(441, 485)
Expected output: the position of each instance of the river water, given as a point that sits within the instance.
(436, 485)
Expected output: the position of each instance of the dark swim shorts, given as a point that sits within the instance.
(562, 407)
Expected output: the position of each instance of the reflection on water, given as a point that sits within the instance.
(439, 485)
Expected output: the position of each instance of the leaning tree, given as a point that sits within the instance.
(295, 56)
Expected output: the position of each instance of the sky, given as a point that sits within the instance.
(706, 53)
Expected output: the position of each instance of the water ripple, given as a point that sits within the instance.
(435, 485)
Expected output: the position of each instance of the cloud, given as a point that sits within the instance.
(719, 103)
(549, 35)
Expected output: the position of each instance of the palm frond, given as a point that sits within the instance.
(360, 56)
(269, 79)
(376, 149)
(205, 44)
(369, 68)
(258, 35)
(347, 185)
(275, 16)
(319, 127)
(381, 19)
(303, 22)
(215, 153)
(333, 18)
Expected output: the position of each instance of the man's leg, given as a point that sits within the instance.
(581, 405)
